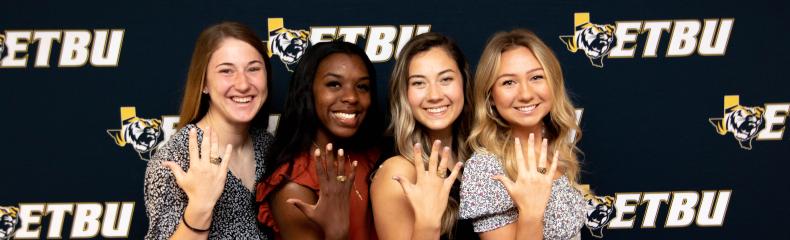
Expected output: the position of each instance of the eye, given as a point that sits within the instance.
(363, 87)
(446, 80)
(333, 84)
(417, 83)
(226, 71)
(537, 77)
(508, 82)
(254, 69)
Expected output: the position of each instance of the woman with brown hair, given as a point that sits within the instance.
(520, 98)
(430, 104)
(192, 189)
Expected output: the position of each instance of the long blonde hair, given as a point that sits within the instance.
(493, 134)
(407, 131)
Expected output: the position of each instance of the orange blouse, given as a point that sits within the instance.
(304, 173)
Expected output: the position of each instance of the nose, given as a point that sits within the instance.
(434, 93)
(350, 95)
(525, 92)
(242, 82)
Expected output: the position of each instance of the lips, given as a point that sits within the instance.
(439, 109)
(344, 118)
(528, 108)
(246, 99)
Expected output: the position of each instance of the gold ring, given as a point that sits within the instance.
(215, 160)
(442, 173)
(341, 178)
(542, 170)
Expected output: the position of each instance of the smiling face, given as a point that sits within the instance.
(235, 82)
(521, 91)
(435, 89)
(342, 94)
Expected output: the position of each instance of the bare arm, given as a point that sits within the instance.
(392, 212)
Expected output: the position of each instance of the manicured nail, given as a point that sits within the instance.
(354, 163)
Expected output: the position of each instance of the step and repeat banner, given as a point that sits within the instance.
(683, 104)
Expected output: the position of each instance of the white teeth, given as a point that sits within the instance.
(527, 108)
(437, 109)
(241, 99)
(345, 115)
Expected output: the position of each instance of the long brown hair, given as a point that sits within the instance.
(194, 106)
(407, 131)
(493, 134)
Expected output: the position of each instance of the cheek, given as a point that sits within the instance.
(456, 93)
(501, 97)
(415, 96)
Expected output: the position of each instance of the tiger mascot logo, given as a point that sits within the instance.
(596, 40)
(3, 51)
(143, 134)
(600, 210)
(288, 44)
(9, 221)
(743, 122)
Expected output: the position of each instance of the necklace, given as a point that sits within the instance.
(348, 159)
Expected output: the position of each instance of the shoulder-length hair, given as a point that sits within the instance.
(404, 127)
(194, 105)
(299, 122)
(493, 134)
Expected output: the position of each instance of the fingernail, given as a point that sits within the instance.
(437, 141)
(446, 148)
(354, 163)
(329, 147)
(396, 178)
(340, 152)
(417, 145)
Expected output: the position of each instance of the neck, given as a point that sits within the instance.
(446, 136)
(228, 133)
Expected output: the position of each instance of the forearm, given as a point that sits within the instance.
(529, 228)
(198, 217)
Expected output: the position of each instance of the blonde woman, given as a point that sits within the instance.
(430, 94)
(522, 104)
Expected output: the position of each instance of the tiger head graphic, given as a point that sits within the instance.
(600, 210)
(289, 45)
(9, 221)
(596, 40)
(743, 122)
(143, 134)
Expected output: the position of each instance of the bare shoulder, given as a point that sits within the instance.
(395, 166)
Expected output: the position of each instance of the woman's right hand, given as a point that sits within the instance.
(331, 211)
(204, 180)
(532, 188)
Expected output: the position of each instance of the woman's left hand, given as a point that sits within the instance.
(428, 195)
(331, 211)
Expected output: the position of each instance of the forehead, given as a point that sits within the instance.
(343, 64)
(434, 59)
(234, 51)
(517, 60)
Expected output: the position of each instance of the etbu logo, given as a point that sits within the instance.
(747, 123)
(98, 47)
(381, 44)
(708, 37)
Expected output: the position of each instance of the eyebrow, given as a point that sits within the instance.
(330, 74)
(231, 64)
(438, 74)
(513, 74)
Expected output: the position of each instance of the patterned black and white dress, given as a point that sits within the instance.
(486, 202)
(235, 211)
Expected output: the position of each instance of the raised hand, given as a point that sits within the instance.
(204, 181)
(428, 195)
(331, 211)
(532, 188)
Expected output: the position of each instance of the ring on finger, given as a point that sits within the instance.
(542, 170)
(340, 178)
(215, 160)
(442, 173)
